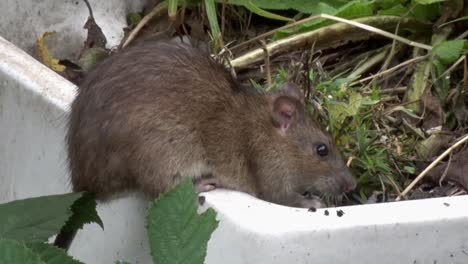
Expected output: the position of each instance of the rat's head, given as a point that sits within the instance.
(312, 161)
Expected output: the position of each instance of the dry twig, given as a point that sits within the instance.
(157, 10)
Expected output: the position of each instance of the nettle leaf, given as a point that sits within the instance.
(448, 52)
(50, 254)
(177, 233)
(36, 219)
(15, 252)
(84, 212)
(340, 110)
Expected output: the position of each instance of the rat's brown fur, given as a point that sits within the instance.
(157, 111)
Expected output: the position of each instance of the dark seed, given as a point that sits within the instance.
(312, 209)
(339, 213)
(201, 200)
(326, 212)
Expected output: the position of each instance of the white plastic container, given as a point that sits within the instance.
(34, 104)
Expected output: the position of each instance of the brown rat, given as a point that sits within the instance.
(160, 110)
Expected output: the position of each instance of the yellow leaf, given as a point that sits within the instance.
(45, 55)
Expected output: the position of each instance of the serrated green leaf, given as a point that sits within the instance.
(340, 110)
(448, 52)
(51, 254)
(36, 219)
(15, 252)
(84, 212)
(177, 234)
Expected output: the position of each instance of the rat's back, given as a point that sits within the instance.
(136, 117)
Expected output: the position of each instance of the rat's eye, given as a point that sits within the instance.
(322, 150)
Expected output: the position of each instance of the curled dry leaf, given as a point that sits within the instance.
(95, 36)
(45, 55)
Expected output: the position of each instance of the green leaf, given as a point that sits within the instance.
(409, 169)
(425, 12)
(84, 212)
(121, 262)
(386, 4)
(172, 8)
(210, 7)
(353, 9)
(134, 18)
(92, 57)
(36, 219)
(50, 254)
(255, 9)
(304, 6)
(398, 10)
(448, 52)
(340, 110)
(177, 233)
(14, 252)
(427, 2)
(418, 84)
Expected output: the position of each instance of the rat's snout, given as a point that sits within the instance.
(348, 182)
(350, 186)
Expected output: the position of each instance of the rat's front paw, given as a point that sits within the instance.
(206, 184)
(311, 203)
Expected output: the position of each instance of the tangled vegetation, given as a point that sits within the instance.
(387, 78)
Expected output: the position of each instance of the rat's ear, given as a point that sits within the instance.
(284, 109)
(292, 90)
